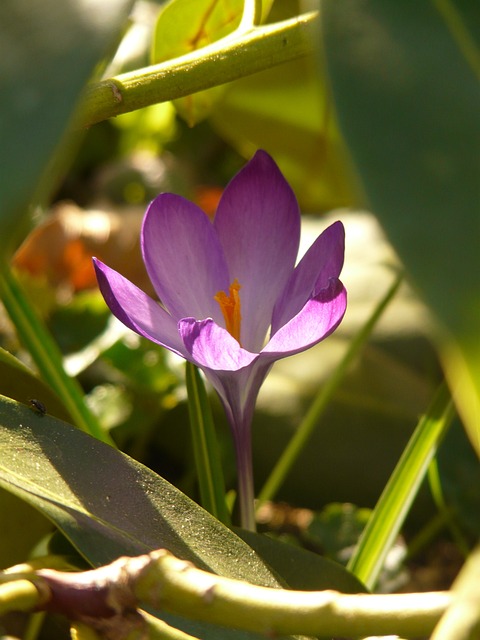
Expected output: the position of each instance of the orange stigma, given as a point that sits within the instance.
(230, 307)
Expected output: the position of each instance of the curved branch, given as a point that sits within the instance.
(110, 597)
(227, 59)
(177, 586)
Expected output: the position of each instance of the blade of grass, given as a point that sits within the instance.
(47, 356)
(311, 420)
(443, 509)
(205, 447)
(401, 489)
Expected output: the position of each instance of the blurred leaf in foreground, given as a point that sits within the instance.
(49, 51)
(405, 79)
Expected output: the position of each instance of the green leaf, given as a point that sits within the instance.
(394, 504)
(300, 568)
(46, 354)
(205, 447)
(109, 505)
(405, 79)
(52, 49)
(187, 25)
(290, 98)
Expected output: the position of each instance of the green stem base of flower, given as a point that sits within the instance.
(246, 494)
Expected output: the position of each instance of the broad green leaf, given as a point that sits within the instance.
(49, 50)
(405, 79)
(187, 25)
(302, 569)
(290, 99)
(108, 505)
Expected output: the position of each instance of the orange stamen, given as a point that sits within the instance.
(230, 307)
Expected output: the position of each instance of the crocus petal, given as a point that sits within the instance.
(137, 310)
(183, 257)
(322, 261)
(258, 224)
(319, 318)
(212, 346)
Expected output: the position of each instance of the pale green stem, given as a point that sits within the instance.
(34, 626)
(160, 630)
(223, 61)
(252, 15)
(246, 492)
(164, 582)
(461, 621)
(176, 586)
(310, 422)
(18, 595)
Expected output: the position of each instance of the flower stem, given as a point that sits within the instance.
(246, 495)
(300, 438)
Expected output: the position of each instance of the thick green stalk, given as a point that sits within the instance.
(46, 355)
(401, 489)
(166, 583)
(309, 423)
(230, 58)
(461, 621)
(178, 587)
(18, 595)
(205, 448)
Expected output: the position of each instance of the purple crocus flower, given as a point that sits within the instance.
(225, 285)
